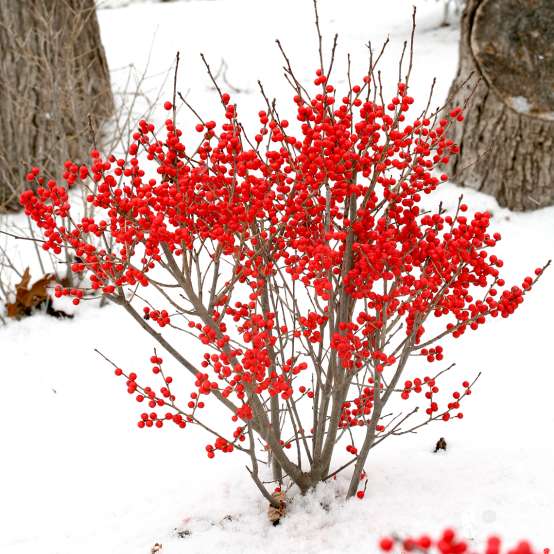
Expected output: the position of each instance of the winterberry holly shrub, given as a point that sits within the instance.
(301, 260)
(449, 543)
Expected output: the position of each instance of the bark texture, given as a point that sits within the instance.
(53, 74)
(507, 138)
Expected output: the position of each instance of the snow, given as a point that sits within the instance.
(78, 477)
(520, 104)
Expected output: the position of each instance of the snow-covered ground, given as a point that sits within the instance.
(78, 477)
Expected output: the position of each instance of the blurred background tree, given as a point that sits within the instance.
(507, 138)
(54, 77)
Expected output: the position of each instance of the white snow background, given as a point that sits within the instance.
(78, 477)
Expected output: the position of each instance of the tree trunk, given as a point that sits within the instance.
(507, 138)
(53, 75)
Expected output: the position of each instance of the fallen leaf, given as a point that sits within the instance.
(27, 298)
(275, 514)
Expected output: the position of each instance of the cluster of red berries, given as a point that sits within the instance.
(433, 354)
(163, 397)
(77, 294)
(357, 415)
(450, 543)
(219, 444)
(350, 448)
(161, 317)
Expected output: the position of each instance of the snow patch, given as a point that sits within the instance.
(520, 104)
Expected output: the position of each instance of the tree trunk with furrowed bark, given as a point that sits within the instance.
(507, 137)
(53, 75)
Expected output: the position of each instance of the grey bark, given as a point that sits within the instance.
(53, 74)
(507, 138)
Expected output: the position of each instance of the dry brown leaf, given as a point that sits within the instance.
(27, 298)
(25, 280)
(37, 293)
(275, 514)
(11, 310)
